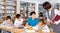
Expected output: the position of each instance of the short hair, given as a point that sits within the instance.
(18, 15)
(40, 14)
(8, 17)
(32, 13)
(46, 5)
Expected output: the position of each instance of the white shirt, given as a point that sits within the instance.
(18, 23)
(5, 24)
(49, 13)
(45, 29)
(57, 12)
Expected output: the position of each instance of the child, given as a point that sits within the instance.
(32, 21)
(43, 26)
(18, 21)
(7, 23)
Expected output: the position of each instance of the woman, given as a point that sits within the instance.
(50, 13)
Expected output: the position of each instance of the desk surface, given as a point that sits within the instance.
(15, 30)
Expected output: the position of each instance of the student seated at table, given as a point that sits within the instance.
(43, 26)
(32, 21)
(7, 23)
(18, 21)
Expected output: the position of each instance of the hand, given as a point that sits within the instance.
(53, 22)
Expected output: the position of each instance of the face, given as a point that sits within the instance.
(40, 23)
(33, 15)
(19, 18)
(51, 8)
(9, 21)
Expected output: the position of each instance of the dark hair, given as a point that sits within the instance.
(32, 13)
(18, 15)
(8, 17)
(46, 5)
(42, 20)
(40, 14)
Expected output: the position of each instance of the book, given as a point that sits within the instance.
(55, 18)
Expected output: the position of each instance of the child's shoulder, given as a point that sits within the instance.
(4, 21)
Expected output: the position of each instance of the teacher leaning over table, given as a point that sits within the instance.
(50, 14)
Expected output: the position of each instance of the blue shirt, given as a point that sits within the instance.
(32, 22)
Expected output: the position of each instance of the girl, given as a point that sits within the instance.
(43, 26)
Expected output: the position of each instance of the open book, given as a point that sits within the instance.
(55, 18)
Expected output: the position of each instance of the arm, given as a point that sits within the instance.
(57, 22)
(28, 21)
(57, 12)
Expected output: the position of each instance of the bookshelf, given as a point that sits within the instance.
(2, 9)
(26, 8)
(11, 8)
(7, 8)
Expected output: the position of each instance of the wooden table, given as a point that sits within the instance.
(15, 30)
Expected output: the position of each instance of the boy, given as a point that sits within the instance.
(18, 21)
(7, 23)
(32, 21)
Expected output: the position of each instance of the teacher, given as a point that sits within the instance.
(50, 13)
